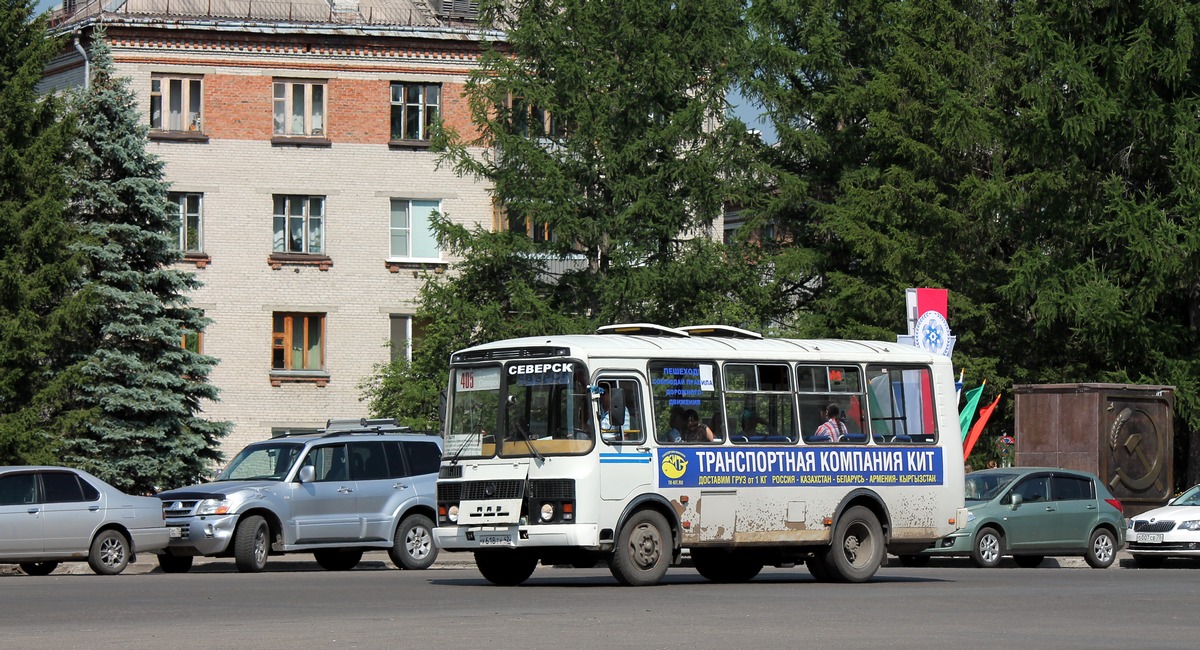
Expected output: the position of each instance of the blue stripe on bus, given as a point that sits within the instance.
(625, 458)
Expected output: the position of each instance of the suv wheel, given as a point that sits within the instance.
(413, 547)
(250, 544)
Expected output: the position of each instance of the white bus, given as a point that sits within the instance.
(632, 445)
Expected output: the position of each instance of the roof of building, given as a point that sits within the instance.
(411, 13)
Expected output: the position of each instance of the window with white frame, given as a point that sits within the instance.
(414, 110)
(300, 108)
(412, 234)
(299, 224)
(176, 103)
(187, 213)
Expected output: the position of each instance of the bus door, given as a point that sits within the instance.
(626, 462)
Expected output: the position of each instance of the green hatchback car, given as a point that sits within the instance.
(1032, 512)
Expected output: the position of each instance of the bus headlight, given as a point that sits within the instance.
(547, 512)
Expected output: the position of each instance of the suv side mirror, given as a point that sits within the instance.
(307, 474)
(1016, 501)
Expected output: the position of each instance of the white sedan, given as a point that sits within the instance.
(1170, 531)
(50, 515)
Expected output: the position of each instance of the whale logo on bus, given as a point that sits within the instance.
(674, 464)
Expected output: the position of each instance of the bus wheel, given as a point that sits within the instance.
(857, 549)
(643, 550)
(505, 568)
(719, 566)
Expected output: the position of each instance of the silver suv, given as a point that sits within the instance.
(355, 485)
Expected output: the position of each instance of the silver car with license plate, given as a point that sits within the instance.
(354, 486)
(1170, 531)
(50, 515)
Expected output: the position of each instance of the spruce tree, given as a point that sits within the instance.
(137, 421)
(38, 270)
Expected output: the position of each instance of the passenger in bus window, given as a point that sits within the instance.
(696, 431)
(833, 427)
(717, 424)
(751, 421)
(678, 422)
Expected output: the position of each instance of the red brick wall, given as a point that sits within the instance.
(237, 107)
(240, 107)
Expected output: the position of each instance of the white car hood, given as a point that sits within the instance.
(1170, 513)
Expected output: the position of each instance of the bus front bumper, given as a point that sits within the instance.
(473, 538)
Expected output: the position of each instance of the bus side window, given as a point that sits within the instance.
(622, 424)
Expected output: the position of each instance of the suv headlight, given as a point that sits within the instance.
(213, 507)
(1192, 525)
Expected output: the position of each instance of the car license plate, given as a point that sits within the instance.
(174, 531)
(1149, 538)
(495, 540)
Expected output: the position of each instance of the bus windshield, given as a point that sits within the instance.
(523, 408)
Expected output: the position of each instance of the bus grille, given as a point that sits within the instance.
(480, 490)
(555, 488)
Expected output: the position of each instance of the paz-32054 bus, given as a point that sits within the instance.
(631, 445)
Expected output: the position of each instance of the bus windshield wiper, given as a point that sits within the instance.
(463, 446)
(512, 400)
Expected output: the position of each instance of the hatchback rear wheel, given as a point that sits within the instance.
(1102, 549)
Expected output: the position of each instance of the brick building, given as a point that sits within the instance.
(296, 144)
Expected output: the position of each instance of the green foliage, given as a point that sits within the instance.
(1038, 159)
(38, 271)
(597, 123)
(137, 393)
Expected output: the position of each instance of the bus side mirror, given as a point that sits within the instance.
(616, 415)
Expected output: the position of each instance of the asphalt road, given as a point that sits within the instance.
(296, 605)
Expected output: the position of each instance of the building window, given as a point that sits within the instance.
(175, 104)
(407, 333)
(298, 342)
(300, 108)
(414, 110)
(299, 224)
(192, 341)
(412, 234)
(186, 211)
(507, 221)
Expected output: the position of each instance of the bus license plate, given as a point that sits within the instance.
(495, 540)
(1149, 538)
(174, 532)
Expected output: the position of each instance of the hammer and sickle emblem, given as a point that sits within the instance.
(1151, 466)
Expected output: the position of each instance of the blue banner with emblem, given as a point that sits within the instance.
(792, 466)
